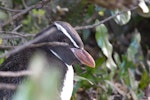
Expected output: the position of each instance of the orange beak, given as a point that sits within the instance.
(84, 57)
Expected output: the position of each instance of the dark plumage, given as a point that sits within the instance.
(58, 56)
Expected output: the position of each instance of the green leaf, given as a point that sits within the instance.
(102, 40)
(134, 47)
(27, 21)
(141, 13)
(117, 59)
(144, 82)
(3, 16)
(104, 44)
(122, 19)
(143, 6)
(80, 78)
(133, 82)
(1, 40)
(114, 87)
(38, 12)
(2, 60)
(100, 61)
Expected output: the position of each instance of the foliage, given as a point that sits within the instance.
(122, 19)
(121, 79)
(105, 45)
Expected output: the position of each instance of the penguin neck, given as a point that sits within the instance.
(67, 88)
(67, 83)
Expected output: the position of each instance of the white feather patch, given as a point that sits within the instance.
(67, 89)
(59, 27)
(55, 54)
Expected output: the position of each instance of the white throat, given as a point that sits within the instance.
(67, 89)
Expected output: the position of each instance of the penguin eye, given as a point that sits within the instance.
(59, 39)
(64, 40)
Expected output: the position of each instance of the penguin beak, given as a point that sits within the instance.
(84, 57)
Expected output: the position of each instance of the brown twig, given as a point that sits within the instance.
(8, 86)
(36, 45)
(13, 37)
(38, 5)
(18, 35)
(80, 27)
(17, 15)
(11, 10)
(14, 74)
(17, 28)
(48, 32)
(103, 21)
